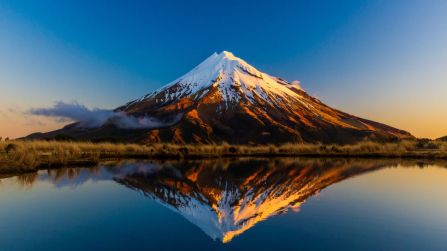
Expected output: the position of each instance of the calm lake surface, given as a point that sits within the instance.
(238, 204)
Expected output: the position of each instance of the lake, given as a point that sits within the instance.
(228, 204)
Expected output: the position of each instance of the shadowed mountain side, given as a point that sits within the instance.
(108, 133)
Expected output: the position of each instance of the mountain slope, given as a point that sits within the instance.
(226, 99)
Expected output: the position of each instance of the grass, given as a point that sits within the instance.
(28, 156)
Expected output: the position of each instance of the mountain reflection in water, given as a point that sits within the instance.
(224, 198)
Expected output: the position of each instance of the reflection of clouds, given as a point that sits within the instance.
(74, 177)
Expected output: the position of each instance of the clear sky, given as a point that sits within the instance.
(382, 60)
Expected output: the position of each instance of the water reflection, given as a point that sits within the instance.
(224, 198)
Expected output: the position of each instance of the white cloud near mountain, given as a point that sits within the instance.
(95, 117)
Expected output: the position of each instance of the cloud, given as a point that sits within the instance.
(93, 118)
(66, 112)
(124, 121)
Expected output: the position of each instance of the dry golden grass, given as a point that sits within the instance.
(21, 156)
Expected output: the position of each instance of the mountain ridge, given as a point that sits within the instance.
(225, 99)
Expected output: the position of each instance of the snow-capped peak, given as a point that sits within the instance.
(236, 80)
(227, 55)
(215, 66)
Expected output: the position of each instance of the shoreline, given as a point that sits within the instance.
(30, 156)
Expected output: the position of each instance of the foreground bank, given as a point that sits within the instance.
(28, 156)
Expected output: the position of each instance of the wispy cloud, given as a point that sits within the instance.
(66, 112)
(92, 118)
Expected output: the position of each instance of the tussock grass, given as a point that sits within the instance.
(23, 156)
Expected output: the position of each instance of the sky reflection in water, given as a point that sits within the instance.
(308, 204)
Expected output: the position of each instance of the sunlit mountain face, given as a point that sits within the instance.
(225, 99)
(227, 199)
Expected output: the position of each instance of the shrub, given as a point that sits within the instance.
(232, 149)
(426, 144)
(63, 137)
(11, 147)
(183, 151)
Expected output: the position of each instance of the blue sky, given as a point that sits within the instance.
(383, 60)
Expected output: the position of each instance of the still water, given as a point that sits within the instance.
(237, 204)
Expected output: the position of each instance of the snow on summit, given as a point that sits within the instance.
(234, 78)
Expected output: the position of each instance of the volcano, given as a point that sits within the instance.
(224, 99)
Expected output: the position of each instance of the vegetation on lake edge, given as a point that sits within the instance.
(23, 156)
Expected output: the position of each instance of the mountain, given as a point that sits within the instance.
(228, 199)
(224, 99)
